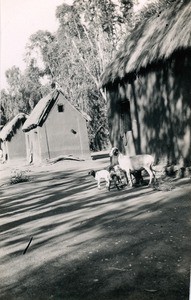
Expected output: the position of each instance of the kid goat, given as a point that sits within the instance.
(134, 163)
(99, 175)
(108, 176)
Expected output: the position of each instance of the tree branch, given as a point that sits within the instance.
(85, 65)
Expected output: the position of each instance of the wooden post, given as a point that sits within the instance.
(81, 145)
(47, 144)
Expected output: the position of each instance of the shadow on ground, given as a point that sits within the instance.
(91, 244)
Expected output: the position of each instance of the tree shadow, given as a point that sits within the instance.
(161, 96)
(91, 244)
(158, 88)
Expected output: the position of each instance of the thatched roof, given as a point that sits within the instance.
(42, 109)
(10, 128)
(39, 112)
(151, 42)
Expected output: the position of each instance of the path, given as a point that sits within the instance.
(90, 244)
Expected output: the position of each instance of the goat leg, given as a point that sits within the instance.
(116, 181)
(116, 185)
(109, 185)
(125, 175)
(128, 173)
(98, 184)
(150, 174)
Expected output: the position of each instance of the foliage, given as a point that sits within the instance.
(42, 53)
(3, 119)
(85, 47)
(23, 92)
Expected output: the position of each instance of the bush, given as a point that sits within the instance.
(163, 184)
(18, 176)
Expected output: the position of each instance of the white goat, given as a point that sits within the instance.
(99, 175)
(108, 175)
(132, 163)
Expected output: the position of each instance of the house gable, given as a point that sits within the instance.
(43, 108)
(63, 131)
(60, 128)
(63, 119)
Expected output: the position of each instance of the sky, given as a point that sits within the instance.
(19, 19)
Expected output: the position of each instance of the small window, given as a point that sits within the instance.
(60, 107)
(73, 131)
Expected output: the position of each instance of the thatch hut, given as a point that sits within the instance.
(56, 128)
(148, 87)
(13, 140)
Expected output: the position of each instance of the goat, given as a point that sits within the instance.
(138, 178)
(107, 175)
(134, 163)
(118, 174)
(99, 175)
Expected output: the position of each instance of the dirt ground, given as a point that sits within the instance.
(92, 244)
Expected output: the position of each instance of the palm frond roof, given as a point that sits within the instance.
(10, 128)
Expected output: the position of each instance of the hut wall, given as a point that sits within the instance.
(34, 146)
(161, 110)
(120, 131)
(64, 132)
(17, 146)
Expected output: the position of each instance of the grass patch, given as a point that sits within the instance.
(18, 176)
(163, 184)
